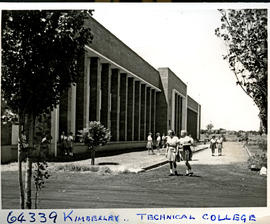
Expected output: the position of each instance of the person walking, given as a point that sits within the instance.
(219, 143)
(163, 141)
(213, 145)
(70, 141)
(172, 151)
(185, 143)
(158, 142)
(45, 145)
(149, 144)
(191, 146)
(63, 143)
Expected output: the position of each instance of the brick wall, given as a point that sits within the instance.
(168, 82)
(192, 123)
(176, 83)
(192, 103)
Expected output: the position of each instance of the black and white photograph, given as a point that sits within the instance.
(134, 106)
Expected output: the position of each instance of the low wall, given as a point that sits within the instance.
(10, 153)
(111, 146)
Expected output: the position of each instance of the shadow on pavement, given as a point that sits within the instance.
(108, 163)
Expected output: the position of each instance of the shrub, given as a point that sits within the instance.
(262, 143)
(257, 161)
(96, 134)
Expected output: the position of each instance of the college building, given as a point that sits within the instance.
(126, 94)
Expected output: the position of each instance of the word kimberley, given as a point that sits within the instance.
(94, 218)
(210, 217)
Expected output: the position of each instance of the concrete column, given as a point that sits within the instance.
(123, 106)
(184, 113)
(55, 129)
(14, 134)
(186, 108)
(115, 104)
(173, 110)
(105, 94)
(71, 112)
(198, 121)
(95, 89)
(80, 95)
(130, 109)
(153, 110)
(176, 113)
(179, 113)
(109, 99)
(139, 119)
(133, 109)
(137, 109)
(86, 93)
(143, 113)
(64, 112)
(148, 110)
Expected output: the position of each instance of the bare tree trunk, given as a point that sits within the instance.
(36, 198)
(20, 179)
(93, 153)
(28, 176)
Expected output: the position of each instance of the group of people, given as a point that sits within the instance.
(216, 143)
(176, 149)
(42, 144)
(66, 143)
(151, 144)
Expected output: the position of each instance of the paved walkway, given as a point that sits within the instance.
(137, 161)
(230, 154)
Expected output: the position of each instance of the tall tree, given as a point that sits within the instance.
(209, 128)
(42, 52)
(245, 34)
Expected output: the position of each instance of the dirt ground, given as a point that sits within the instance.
(223, 181)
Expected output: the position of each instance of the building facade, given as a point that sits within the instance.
(125, 93)
(193, 118)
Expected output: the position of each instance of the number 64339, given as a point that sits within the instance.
(32, 217)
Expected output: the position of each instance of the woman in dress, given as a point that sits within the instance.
(172, 151)
(219, 143)
(70, 141)
(185, 143)
(163, 141)
(149, 144)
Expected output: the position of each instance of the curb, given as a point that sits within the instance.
(163, 162)
(206, 147)
(153, 166)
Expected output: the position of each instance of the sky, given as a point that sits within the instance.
(183, 39)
